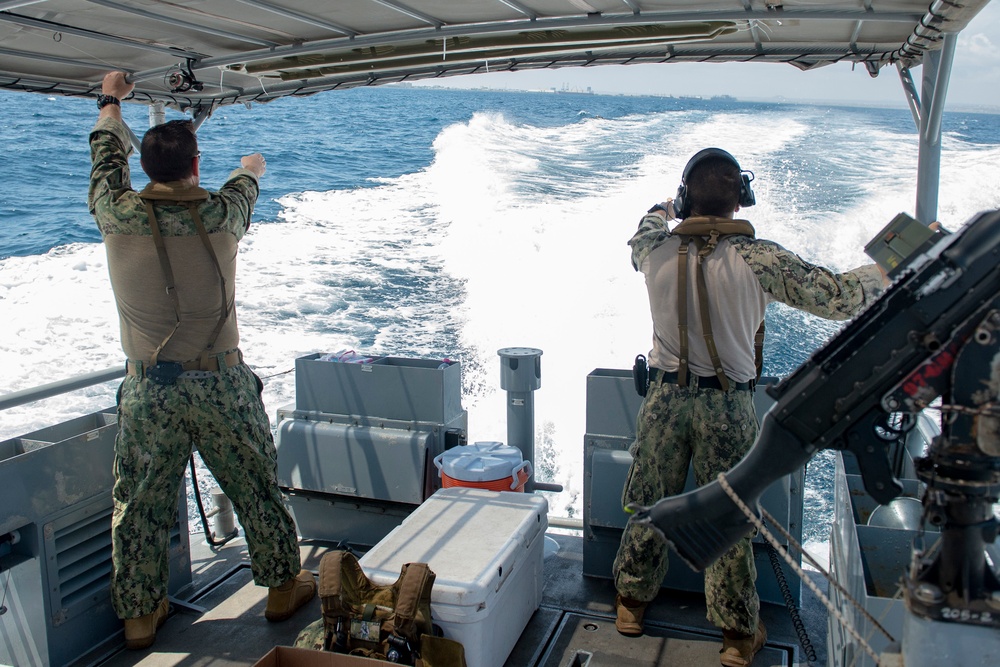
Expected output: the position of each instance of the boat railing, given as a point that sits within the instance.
(44, 391)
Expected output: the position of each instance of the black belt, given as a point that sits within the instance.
(167, 372)
(657, 375)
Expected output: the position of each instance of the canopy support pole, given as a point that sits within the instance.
(936, 74)
(910, 90)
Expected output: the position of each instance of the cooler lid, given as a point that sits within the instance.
(472, 539)
(480, 462)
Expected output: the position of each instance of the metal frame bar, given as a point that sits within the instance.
(910, 90)
(518, 7)
(14, 4)
(632, 5)
(409, 11)
(753, 28)
(51, 59)
(134, 139)
(183, 24)
(936, 75)
(201, 116)
(99, 36)
(304, 18)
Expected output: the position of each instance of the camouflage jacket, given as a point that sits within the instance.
(117, 208)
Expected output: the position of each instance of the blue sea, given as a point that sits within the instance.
(442, 223)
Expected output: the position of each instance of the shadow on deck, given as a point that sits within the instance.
(222, 624)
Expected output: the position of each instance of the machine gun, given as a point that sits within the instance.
(934, 333)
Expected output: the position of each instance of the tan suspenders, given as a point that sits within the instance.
(168, 276)
(705, 233)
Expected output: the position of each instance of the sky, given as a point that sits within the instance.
(975, 80)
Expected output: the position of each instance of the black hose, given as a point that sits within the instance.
(793, 609)
(201, 510)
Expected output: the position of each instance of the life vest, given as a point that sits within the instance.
(389, 622)
(190, 197)
(705, 232)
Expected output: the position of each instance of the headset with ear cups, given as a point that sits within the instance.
(682, 205)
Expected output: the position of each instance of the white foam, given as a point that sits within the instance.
(508, 238)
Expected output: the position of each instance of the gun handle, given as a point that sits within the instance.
(873, 460)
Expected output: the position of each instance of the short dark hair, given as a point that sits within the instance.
(713, 186)
(167, 150)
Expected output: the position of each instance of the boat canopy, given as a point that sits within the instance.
(195, 55)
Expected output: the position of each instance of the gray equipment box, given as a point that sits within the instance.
(868, 562)
(355, 453)
(426, 390)
(612, 406)
(56, 486)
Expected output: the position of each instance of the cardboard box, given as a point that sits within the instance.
(287, 656)
(486, 548)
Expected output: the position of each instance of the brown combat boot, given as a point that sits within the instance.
(283, 600)
(141, 632)
(629, 615)
(739, 650)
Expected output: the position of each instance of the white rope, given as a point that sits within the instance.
(752, 517)
(812, 561)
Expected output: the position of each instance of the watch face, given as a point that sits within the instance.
(105, 100)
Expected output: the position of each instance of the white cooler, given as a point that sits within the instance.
(486, 548)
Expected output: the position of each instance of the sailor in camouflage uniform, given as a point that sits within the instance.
(172, 259)
(699, 406)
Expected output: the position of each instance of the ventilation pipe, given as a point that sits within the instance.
(520, 376)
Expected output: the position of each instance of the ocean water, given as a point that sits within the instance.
(440, 223)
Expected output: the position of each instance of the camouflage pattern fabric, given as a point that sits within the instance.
(313, 636)
(435, 651)
(118, 209)
(783, 275)
(224, 417)
(711, 430)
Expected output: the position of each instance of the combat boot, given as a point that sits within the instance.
(739, 650)
(141, 632)
(283, 600)
(629, 615)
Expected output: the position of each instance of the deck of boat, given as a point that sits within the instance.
(221, 623)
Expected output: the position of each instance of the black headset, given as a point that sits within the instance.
(682, 205)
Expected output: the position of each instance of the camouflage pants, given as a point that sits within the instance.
(711, 430)
(224, 417)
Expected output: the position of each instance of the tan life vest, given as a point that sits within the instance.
(151, 308)
(705, 232)
(386, 622)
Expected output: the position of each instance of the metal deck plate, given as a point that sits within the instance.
(592, 641)
(231, 632)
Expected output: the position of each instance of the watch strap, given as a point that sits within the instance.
(105, 100)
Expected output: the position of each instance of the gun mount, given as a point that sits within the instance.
(934, 333)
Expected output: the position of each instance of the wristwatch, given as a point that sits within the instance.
(659, 207)
(105, 100)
